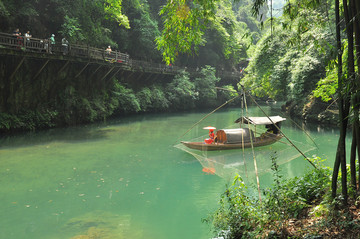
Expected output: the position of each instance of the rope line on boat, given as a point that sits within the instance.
(208, 115)
(279, 129)
(242, 135)
(305, 132)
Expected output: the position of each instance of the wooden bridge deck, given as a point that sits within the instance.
(41, 48)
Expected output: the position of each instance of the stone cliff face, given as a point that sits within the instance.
(314, 111)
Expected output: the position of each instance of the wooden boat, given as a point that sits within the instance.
(242, 137)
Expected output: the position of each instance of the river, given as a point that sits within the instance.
(125, 179)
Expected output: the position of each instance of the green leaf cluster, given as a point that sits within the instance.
(113, 10)
(217, 29)
(241, 215)
(291, 58)
(28, 120)
(205, 86)
(181, 92)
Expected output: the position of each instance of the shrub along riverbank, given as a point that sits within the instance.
(56, 101)
(297, 208)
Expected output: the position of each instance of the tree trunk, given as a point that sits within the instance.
(355, 6)
(353, 159)
(351, 79)
(340, 101)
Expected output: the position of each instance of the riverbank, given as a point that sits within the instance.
(57, 100)
(299, 207)
(313, 110)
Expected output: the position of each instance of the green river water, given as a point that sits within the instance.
(125, 179)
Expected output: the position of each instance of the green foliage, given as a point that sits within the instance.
(305, 75)
(205, 86)
(326, 87)
(143, 34)
(286, 199)
(144, 97)
(153, 99)
(27, 120)
(217, 30)
(267, 56)
(244, 216)
(226, 93)
(113, 10)
(239, 214)
(288, 63)
(85, 110)
(183, 27)
(181, 92)
(127, 100)
(158, 98)
(231, 36)
(71, 29)
(3, 11)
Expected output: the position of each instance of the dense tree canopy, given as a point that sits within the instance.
(289, 60)
(213, 32)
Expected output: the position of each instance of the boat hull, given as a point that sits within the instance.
(258, 142)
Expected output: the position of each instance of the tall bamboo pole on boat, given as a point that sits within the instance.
(242, 135)
(252, 149)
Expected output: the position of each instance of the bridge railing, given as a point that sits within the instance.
(83, 51)
(22, 42)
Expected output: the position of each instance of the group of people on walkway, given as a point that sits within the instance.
(48, 44)
(27, 36)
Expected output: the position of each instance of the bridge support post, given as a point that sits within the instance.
(78, 74)
(41, 69)
(115, 73)
(17, 68)
(107, 73)
(95, 71)
(62, 68)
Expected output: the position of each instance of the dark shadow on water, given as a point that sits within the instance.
(70, 135)
(75, 134)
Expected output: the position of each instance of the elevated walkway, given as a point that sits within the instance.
(26, 49)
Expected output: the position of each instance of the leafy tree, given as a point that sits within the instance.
(205, 86)
(183, 27)
(158, 98)
(181, 92)
(127, 100)
(113, 10)
(144, 98)
(71, 29)
(287, 65)
(327, 87)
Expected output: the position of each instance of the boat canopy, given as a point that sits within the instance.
(260, 120)
(234, 136)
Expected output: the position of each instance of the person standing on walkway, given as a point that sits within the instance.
(52, 43)
(65, 45)
(27, 38)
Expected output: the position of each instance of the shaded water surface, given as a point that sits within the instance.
(125, 178)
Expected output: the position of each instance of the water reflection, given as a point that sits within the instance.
(73, 134)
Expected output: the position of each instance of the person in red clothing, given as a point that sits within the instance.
(211, 134)
(211, 138)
